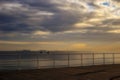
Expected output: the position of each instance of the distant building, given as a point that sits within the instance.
(44, 52)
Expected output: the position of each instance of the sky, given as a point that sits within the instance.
(60, 25)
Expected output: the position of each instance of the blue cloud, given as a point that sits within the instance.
(106, 3)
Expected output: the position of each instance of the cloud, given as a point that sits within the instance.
(41, 33)
(18, 17)
(114, 31)
(79, 46)
(20, 43)
(59, 20)
(47, 15)
(117, 0)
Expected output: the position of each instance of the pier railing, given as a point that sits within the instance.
(55, 60)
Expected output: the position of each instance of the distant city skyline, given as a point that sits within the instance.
(75, 25)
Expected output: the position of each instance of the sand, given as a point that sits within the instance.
(104, 72)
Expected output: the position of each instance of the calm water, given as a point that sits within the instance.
(54, 59)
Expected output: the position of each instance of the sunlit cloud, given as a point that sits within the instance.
(80, 25)
(114, 31)
(79, 46)
(41, 33)
(25, 43)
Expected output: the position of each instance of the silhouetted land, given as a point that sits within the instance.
(103, 72)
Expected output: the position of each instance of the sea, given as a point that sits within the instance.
(19, 60)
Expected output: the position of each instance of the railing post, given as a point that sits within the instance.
(93, 58)
(68, 60)
(19, 61)
(81, 59)
(54, 60)
(37, 54)
(104, 58)
(113, 58)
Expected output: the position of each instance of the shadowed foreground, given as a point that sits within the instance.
(107, 72)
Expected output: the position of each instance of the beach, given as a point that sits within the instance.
(97, 72)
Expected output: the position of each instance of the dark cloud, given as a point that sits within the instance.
(9, 23)
(117, 0)
(60, 21)
(7, 18)
(14, 19)
(11, 19)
